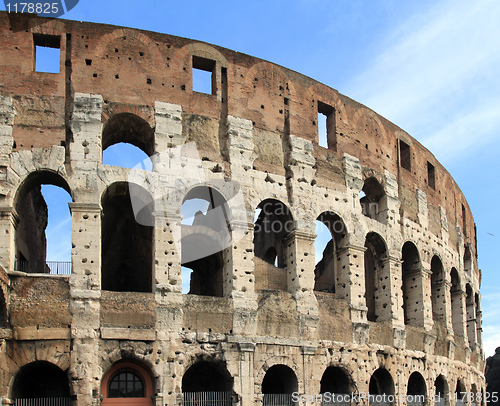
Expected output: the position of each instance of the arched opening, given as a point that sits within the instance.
(43, 234)
(412, 281)
(475, 395)
(438, 296)
(127, 239)
(127, 383)
(416, 390)
(273, 225)
(373, 199)
(131, 129)
(479, 322)
(126, 156)
(440, 391)
(467, 260)
(39, 381)
(375, 254)
(336, 382)
(207, 383)
(278, 385)
(206, 241)
(381, 388)
(3, 310)
(456, 303)
(471, 315)
(460, 394)
(330, 230)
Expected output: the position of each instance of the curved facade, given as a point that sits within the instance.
(391, 308)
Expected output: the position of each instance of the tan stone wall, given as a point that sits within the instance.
(258, 129)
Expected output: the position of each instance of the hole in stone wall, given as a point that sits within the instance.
(279, 379)
(205, 376)
(431, 175)
(437, 289)
(327, 137)
(203, 75)
(127, 238)
(404, 155)
(47, 53)
(43, 235)
(273, 223)
(330, 231)
(206, 241)
(41, 380)
(88, 62)
(335, 380)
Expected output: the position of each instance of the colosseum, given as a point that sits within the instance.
(389, 316)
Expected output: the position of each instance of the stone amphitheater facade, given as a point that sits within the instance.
(393, 307)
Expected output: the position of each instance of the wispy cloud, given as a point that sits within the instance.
(437, 76)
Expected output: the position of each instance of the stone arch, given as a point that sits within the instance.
(130, 34)
(412, 285)
(326, 272)
(273, 225)
(373, 199)
(441, 391)
(205, 51)
(279, 382)
(374, 258)
(416, 390)
(207, 376)
(381, 383)
(126, 382)
(336, 379)
(206, 242)
(438, 290)
(271, 73)
(32, 212)
(366, 116)
(456, 295)
(40, 379)
(126, 239)
(128, 128)
(468, 260)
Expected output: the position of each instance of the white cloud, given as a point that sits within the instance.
(437, 76)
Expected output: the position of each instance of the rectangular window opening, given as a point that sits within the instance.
(203, 75)
(404, 155)
(47, 53)
(464, 220)
(327, 137)
(431, 175)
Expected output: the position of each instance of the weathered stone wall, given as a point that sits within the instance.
(258, 129)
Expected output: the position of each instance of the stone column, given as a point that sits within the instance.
(389, 306)
(244, 384)
(242, 278)
(351, 285)
(86, 148)
(168, 130)
(8, 223)
(7, 116)
(85, 293)
(300, 279)
(427, 320)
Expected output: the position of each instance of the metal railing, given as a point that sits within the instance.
(48, 267)
(43, 402)
(278, 399)
(335, 399)
(206, 399)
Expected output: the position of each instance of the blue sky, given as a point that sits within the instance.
(431, 67)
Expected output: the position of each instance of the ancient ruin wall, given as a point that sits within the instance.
(258, 128)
